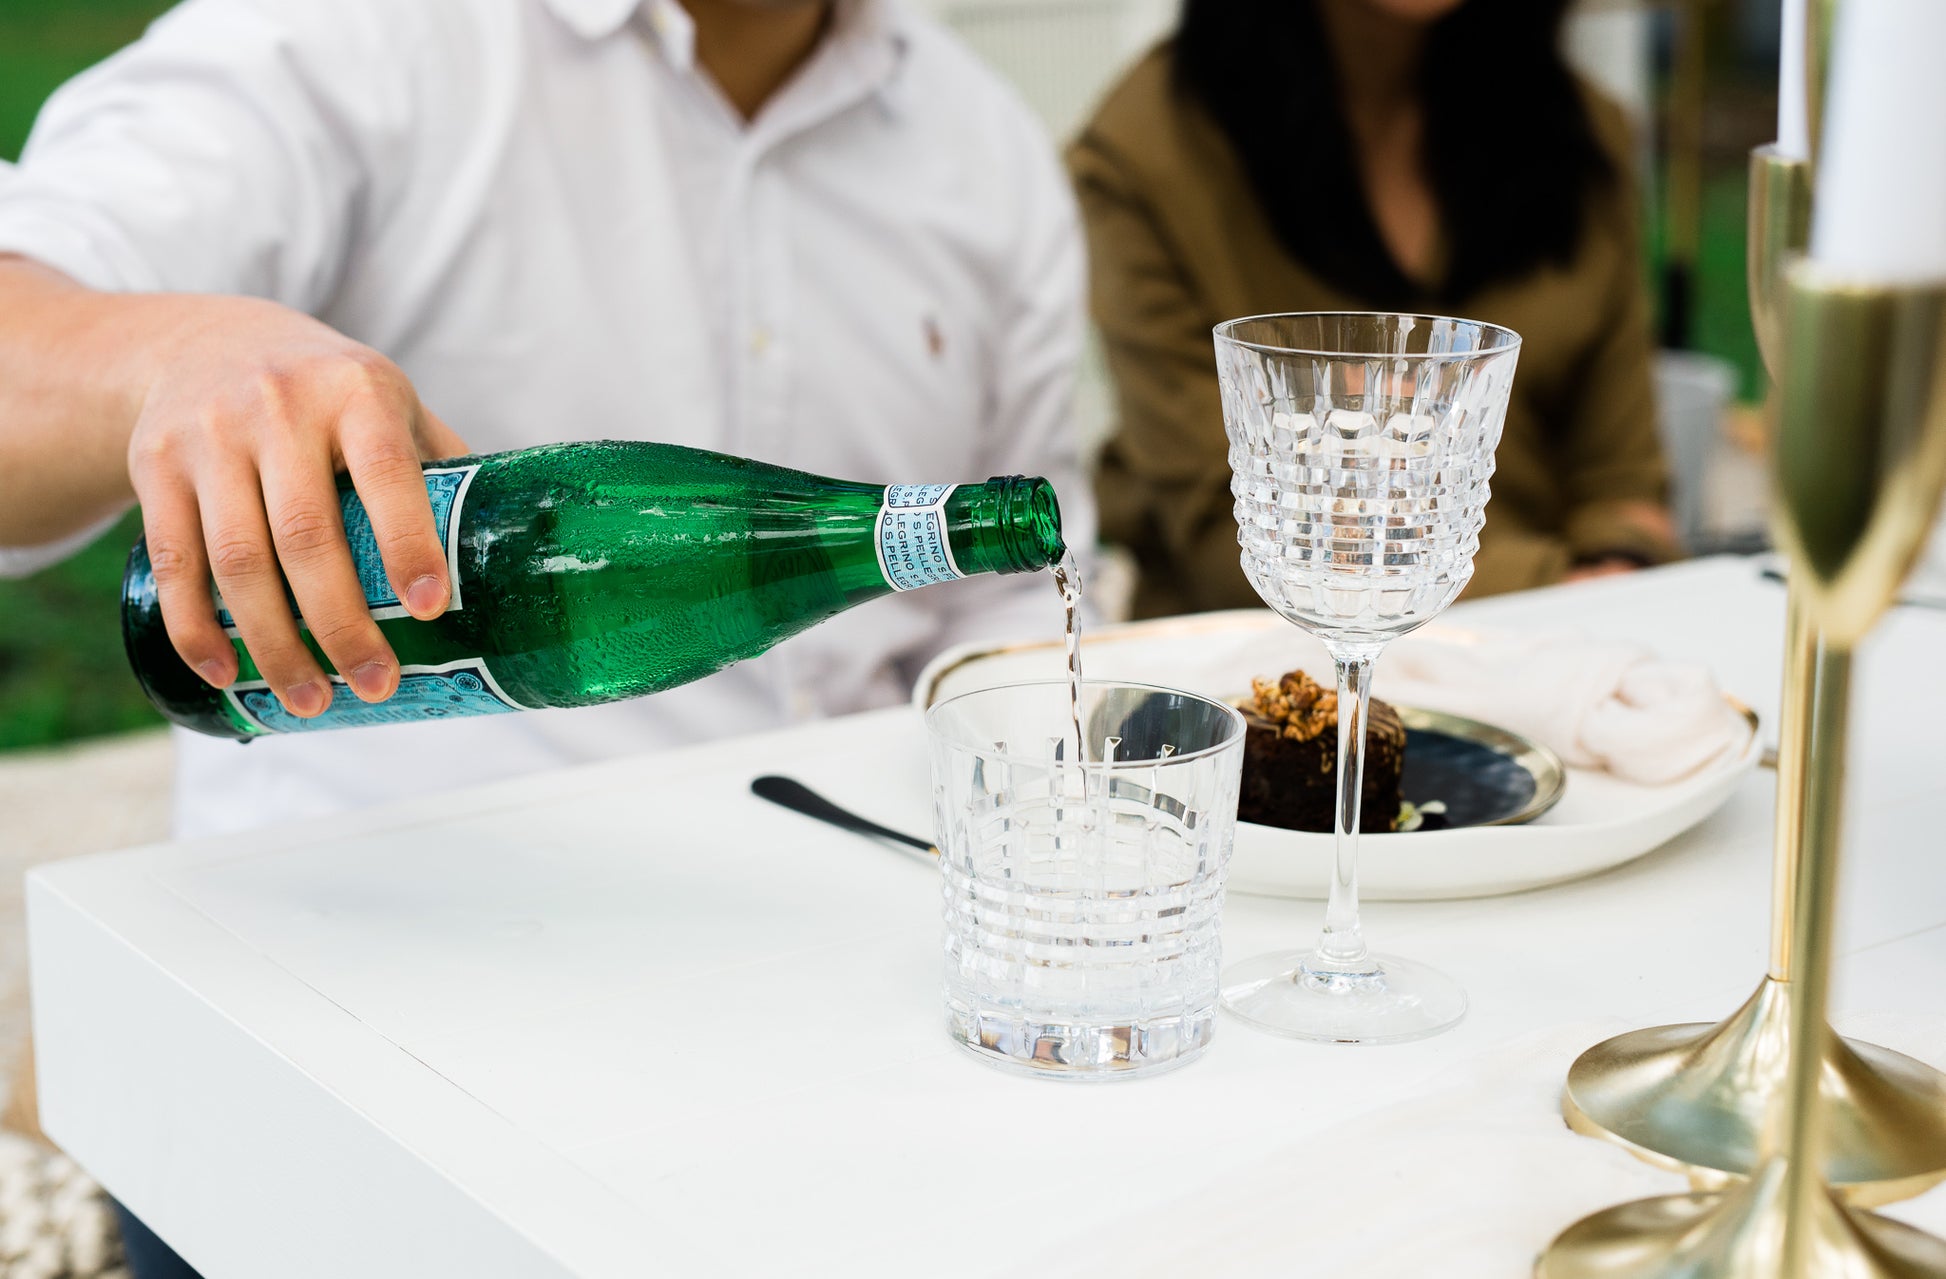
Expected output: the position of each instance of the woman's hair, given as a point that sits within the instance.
(1509, 146)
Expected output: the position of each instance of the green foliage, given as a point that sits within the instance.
(62, 672)
(1719, 316)
(45, 42)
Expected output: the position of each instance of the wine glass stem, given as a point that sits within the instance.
(1342, 949)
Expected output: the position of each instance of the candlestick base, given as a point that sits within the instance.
(1695, 1099)
(1738, 1234)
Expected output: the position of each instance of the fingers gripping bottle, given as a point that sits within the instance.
(591, 572)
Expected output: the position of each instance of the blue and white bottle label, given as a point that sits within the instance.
(425, 692)
(446, 487)
(913, 549)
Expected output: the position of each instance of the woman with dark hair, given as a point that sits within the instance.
(1371, 155)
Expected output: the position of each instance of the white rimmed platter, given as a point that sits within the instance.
(1599, 821)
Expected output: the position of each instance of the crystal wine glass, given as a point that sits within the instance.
(1360, 449)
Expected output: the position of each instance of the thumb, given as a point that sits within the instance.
(436, 439)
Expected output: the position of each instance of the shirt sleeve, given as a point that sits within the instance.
(226, 151)
(20, 561)
(1614, 459)
(1029, 424)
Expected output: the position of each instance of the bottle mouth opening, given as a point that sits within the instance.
(1030, 514)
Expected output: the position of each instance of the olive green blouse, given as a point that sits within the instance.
(1179, 244)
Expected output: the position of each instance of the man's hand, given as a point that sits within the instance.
(249, 412)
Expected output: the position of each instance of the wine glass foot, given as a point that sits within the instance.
(1396, 1001)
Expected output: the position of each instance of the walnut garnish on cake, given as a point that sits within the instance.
(1300, 705)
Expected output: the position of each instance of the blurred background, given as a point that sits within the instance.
(1698, 77)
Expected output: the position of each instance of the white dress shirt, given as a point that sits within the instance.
(552, 219)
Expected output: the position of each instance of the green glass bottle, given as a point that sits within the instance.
(591, 572)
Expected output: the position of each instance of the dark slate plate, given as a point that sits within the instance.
(1485, 776)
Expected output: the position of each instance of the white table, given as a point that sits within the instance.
(629, 1020)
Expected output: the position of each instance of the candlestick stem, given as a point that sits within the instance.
(1801, 1123)
(1798, 703)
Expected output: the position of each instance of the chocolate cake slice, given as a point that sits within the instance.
(1290, 758)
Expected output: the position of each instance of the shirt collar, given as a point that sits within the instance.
(674, 31)
(596, 19)
(870, 32)
(874, 36)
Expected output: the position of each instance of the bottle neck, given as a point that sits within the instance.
(1010, 524)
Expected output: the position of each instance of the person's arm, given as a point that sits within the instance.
(1163, 479)
(1616, 477)
(67, 398)
(1513, 557)
(209, 159)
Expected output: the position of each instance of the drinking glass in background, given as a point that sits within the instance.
(1360, 449)
(1083, 900)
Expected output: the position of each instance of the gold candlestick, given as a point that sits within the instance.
(1860, 466)
(1696, 1098)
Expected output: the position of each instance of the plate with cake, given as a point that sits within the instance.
(1456, 802)
(1424, 770)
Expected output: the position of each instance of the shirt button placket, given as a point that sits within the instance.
(740, 286)
(769, 315)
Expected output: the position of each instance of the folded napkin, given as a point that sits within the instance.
(1596, 703)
